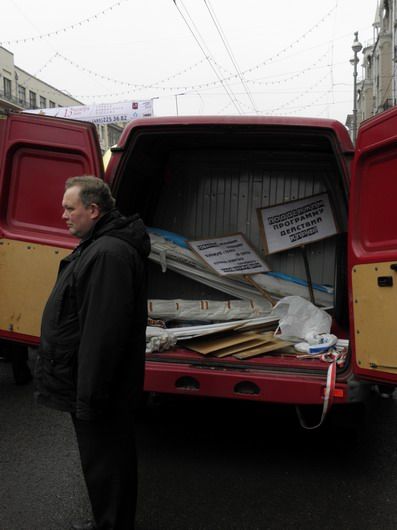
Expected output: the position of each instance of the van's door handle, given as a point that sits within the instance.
(393, 266)
(385, 281)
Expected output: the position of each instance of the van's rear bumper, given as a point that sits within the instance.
(267, 386)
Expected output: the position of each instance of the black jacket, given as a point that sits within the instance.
(92, 348)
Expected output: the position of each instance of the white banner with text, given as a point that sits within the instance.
(102, 113)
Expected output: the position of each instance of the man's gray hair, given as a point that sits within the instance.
(93, 190)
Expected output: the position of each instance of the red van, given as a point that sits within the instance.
(204, 177)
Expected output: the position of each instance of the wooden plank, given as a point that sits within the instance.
(241, 347)
(27, 275)
(205, 346)
(274, 345)
(374, 313)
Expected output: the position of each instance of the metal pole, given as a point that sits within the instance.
(308, 275)
(176, 104)
(355, 98)
(176, 101)
(357, 47)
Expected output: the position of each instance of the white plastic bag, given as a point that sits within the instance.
(298, 318)
(159, 339)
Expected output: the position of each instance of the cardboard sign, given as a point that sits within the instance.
(229, 255)
(296, 223)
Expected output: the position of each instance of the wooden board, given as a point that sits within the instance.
(374, 316)
(273, 345)
(242, 347)
(27, 275)
(206, 346)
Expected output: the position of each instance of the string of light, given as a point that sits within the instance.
(292, 77)
(287, 106)
(231, 76)
(260, 81)
(128, 92)
(294, 110)
(267, 61)
(300, 95)
(292, 44)
(71, 27)
(222, 110)
(29, 77)
(158, 84)
(317, 103)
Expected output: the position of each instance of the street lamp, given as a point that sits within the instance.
(356, 47)
(176, 102)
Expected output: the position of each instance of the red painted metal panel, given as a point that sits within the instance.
(39, 154)
(373, 213)
(273, 387)
(273, 122)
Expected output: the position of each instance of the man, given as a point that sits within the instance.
(91, 356)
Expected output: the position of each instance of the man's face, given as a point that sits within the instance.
(79, 218)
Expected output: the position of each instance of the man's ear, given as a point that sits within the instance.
(94, 211)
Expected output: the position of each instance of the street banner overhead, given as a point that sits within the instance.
(102, 113)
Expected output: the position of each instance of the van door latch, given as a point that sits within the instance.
(385, 281)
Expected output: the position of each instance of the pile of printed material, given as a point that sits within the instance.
(241, 317)
(162, 339)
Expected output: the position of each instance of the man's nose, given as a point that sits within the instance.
(65, 214)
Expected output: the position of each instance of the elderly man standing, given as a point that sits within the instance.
(91, 356)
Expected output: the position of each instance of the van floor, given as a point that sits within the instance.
(281, 361)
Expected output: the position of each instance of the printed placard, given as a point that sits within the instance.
(229, 255)
(102, 113)
(296, 223)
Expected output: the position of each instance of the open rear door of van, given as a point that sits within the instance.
(373, 250)
(37, 155)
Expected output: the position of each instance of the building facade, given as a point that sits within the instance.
(20, 91)
(377, 90)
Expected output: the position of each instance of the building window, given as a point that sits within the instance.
(43, 102)
(52, 105)
(32, 99)
(7, 87)
(21, 95)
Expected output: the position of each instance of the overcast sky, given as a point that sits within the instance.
(195, 56)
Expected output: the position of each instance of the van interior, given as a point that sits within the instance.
(201, 182)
